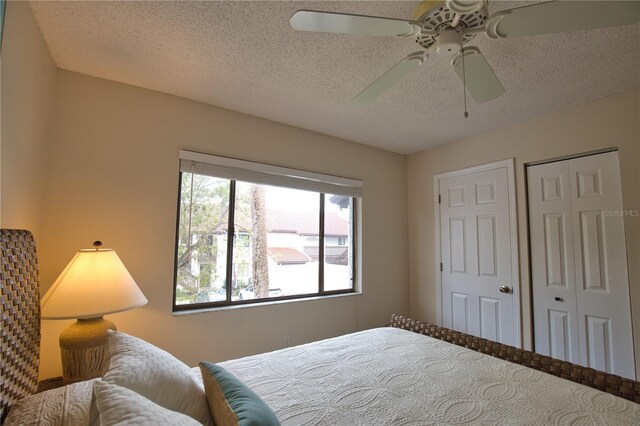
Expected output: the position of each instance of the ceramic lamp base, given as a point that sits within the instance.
(84, 349)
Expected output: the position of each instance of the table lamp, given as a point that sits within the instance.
(94, 283)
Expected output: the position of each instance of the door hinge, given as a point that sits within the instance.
(441, 268)
(439, 199)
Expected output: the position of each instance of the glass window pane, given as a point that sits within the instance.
(276, 242)
(338, 247)
(202, 239)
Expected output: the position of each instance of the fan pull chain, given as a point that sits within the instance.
(464, 86)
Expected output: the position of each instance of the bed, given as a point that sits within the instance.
(411, 373)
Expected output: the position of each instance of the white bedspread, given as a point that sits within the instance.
(389, 376)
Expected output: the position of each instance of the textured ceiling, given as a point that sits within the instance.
(244, 56)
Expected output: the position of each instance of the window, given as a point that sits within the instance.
(249, 233)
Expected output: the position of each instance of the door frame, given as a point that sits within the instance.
(508, 164)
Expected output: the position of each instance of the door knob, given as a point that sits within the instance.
(505, 289)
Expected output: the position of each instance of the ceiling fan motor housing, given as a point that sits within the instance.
(464, 6)
(436, 17)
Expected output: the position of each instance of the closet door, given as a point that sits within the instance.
(600, 255)
(582, 309)
(554, 292)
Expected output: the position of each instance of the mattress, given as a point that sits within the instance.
(385, 376)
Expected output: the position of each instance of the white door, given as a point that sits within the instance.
(554, 283)
(477, 275)
(582, 311)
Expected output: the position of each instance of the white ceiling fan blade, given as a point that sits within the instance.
(480, 80)
(391, 77)
(561, 16)
(327, 22)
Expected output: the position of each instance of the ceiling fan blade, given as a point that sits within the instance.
(480, 81)
(328, 22)
(561, 16)
(389, 78)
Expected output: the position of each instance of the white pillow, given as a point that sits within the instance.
(118, 406)
(157, 375)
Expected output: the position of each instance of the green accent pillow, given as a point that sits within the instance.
(231, 402)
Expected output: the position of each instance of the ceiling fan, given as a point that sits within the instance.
(451, 24)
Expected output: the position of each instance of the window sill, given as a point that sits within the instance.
(261, 304)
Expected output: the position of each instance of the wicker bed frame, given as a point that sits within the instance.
(610, 383)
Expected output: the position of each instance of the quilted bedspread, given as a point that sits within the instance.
(388, 376)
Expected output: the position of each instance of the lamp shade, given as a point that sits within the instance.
(93, 284)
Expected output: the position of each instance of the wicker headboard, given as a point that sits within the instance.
(20, 313)
(606, 382)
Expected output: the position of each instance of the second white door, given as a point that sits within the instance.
(476, 255)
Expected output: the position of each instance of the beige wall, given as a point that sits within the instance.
(28, 90)
(113, 176)
(610, 122)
